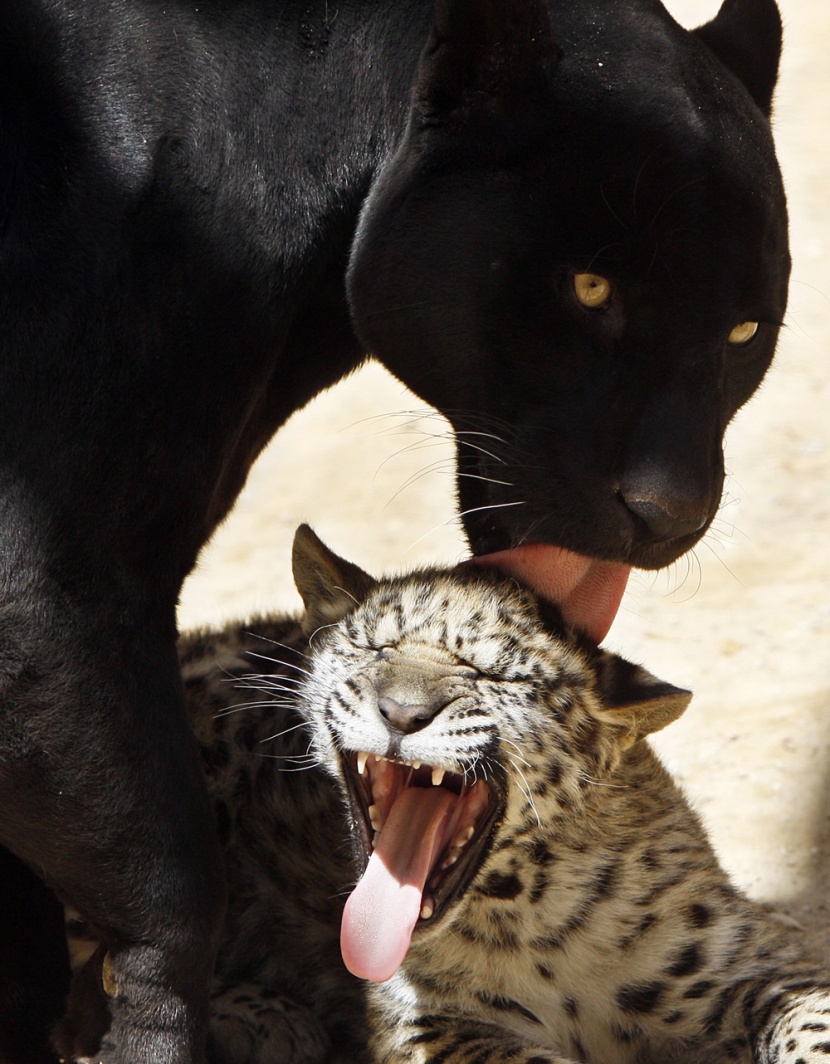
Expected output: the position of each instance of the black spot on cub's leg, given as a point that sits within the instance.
(642, 999)
(699, 989)
(698, 916)
(688, 962)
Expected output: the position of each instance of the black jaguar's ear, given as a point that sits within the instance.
(329, 586)
(746, 36)
(633, 699)
(481, 50)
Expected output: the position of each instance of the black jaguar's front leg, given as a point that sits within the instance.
(101, 792)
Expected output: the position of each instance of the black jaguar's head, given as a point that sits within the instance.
(578, 252)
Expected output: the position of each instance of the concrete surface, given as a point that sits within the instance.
(744, 622)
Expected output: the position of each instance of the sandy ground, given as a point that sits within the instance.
(745, 622)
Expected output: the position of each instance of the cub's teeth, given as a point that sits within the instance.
(427, 909)
(375, 817)
(437, 776)
(458, 844)
(415, 764)
(461, 840)
(362, 758)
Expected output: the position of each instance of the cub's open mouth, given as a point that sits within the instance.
(423, 832)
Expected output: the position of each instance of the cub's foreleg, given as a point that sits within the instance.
(452, 1040)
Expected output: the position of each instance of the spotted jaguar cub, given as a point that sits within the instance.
(531, 885)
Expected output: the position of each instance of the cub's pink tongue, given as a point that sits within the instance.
(587, 591)
(383, 909)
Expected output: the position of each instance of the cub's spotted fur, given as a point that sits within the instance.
(567, 906)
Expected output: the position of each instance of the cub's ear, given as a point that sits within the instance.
(635, 700)
(481, 51)
(746, 36)
(329, 586)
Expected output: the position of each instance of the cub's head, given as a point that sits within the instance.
(452, 707)
(578, 252)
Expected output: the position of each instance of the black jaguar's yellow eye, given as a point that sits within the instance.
(743, 333)
(591, 290)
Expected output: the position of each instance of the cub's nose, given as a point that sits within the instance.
(661, 522)
(406, 719)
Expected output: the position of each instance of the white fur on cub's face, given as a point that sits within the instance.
(485, 633)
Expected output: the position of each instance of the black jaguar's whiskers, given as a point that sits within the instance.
(444, 465)
(466, 513)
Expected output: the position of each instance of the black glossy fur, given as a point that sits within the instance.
(209, 211)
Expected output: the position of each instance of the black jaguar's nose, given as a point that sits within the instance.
(406, 719)
(661, 522)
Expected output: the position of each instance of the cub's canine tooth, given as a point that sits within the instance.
(362, 758)
(437, 776)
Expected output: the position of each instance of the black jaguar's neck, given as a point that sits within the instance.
(201, 167)
(282, 106)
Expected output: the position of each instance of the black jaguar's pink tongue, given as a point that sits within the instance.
(587, 591)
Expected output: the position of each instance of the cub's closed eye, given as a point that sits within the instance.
(592, 291)
(743, 333)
